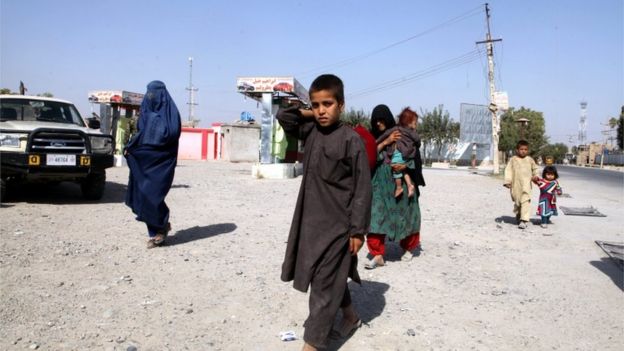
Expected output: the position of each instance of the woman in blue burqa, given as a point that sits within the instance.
(152, 155)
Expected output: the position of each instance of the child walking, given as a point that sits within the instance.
(549, 189)
(332, 213)
(519, 173)
(403, 151)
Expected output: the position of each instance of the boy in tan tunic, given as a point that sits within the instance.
(332, 214)
(519, 173)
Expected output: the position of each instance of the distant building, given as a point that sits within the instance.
(589, 155)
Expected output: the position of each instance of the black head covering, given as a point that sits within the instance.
(381, 113)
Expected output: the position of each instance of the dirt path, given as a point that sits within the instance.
(76, 275)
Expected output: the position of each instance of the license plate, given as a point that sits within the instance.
(60, 160)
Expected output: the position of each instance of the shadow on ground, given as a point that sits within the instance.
(394, 251)
(611, 269)
(182, 186)
(64, 193)
(506, 219)
(369, 302)
(197, 233)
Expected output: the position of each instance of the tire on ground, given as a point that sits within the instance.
(93, 186)
(3, 190)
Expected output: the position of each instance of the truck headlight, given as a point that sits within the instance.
(101, 144)
(12, 140)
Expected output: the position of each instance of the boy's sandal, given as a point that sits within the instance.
(345, 329)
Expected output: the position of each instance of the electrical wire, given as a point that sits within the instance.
(468, 14)
(466, 58)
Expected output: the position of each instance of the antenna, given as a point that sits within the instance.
(191, 89)
(582, 134)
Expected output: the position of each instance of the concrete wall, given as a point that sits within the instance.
(241, 142)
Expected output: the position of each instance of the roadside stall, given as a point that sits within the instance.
(278, 153)
(119, 110)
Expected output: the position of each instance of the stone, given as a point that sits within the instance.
(411, 332)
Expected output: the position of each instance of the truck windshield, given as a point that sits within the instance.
(39, 110)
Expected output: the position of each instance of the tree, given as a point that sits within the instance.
(5, 91)
(534, 132)
(613, 122)
(437, 128)
(620, 132)
(353, 118)
(46, 94)
(557, 151)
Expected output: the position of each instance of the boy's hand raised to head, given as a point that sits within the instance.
(355, 243)
(306, 113)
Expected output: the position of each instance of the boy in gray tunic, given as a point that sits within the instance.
(332, 213)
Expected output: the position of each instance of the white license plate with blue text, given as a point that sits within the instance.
(60, 160)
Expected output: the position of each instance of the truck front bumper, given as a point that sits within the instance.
(56, 166)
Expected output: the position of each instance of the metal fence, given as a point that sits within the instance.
(611, 159)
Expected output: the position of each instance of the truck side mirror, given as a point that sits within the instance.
(93, 123)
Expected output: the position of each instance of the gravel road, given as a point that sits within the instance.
(76, 275)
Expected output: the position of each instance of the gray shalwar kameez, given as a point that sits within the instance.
(334, 203)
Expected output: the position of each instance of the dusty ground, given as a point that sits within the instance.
(76, 275)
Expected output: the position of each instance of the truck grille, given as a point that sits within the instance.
(58, 143)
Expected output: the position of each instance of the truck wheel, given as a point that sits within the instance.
(93, 186)
(3, 190)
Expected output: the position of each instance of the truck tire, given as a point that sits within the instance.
(93, 186)
(3, 190)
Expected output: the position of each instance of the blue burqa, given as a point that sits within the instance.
(152, 155)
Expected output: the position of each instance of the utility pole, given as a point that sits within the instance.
(489, 44)
(191, 89)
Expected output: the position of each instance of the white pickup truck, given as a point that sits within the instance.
(46, 140)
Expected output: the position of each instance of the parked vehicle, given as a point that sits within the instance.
(47, 140)
(245, 87)
(283, 86)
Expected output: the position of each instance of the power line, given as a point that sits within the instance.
(438, 68)
(468, 14)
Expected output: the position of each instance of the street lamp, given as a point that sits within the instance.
(523, 124)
